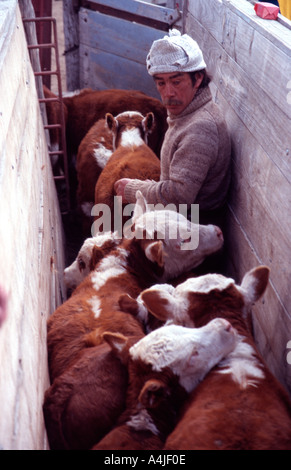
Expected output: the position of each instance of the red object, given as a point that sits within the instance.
(267, 11)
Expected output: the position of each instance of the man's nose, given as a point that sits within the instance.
(169, 90)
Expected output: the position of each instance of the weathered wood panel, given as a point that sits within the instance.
(111, 58)
(112, 39)
(31, 242)
(247, 73)
(71, 34)
(138, 11)
(250, 62)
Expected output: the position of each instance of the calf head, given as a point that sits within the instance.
(91, 252)
(156, 315)
(189, 353)
(130, 127)
(208, 296)
(170, 240)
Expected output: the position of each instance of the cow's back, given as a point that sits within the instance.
(221, 415)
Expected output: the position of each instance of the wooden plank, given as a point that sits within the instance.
(105, 49)
(71, 34)
(253, 105)
(266, 62)
(99, 72)
(31, 249)
(138, 11)
(6, 29)
(277, 32)
(106, 33)
(257, 202)
(261, 199)
(219, 11)
(271, 322)
(256, 198)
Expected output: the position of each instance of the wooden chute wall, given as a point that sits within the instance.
(250, 61)
(31, 242)
(107, 42)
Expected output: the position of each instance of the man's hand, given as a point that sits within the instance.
(119, 187)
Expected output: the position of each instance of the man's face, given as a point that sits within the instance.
(176, 90)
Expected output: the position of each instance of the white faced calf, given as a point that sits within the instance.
(91, 252)
(163, 366)
(137, 263)
(132, 158)
(180, 244)
(93, 153)
(155, 317)
(240, 404)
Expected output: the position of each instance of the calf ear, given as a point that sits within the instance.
(154, 252)
(152, 393)
(254, 283)
(111, 122)
(118, 344)
(128, 304)
(148, 122)
(140, 207)
(99, 252)
(97, 255)
(158, 303)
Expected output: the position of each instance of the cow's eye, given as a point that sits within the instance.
(81, 264)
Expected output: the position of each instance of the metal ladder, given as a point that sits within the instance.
(61, 125)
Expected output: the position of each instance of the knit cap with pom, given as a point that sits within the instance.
(175, 53)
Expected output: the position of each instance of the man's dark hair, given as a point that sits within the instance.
(206, 78)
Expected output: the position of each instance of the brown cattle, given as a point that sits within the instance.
(84, 403)
(240, 405)
(83, 108)
(91, 252)
(163, 368)
(132, 158)
(94, 151)
(94, 308)
(138, 262)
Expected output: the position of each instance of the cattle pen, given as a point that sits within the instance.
(249, 60)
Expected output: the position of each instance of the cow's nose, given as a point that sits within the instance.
(219, 232)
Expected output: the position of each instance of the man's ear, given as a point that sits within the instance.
(153, 393)
(198, 79)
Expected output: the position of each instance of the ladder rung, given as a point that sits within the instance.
(57, 152)
(46, 72)
(53, 126)
(41, 46)
(59, 177)
(48, 100)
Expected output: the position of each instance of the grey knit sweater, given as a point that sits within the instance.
(195, 159)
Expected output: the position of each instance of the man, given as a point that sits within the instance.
(195, 154)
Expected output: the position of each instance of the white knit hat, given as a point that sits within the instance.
(175, 53)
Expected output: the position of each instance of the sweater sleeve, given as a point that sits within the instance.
(195, 152)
